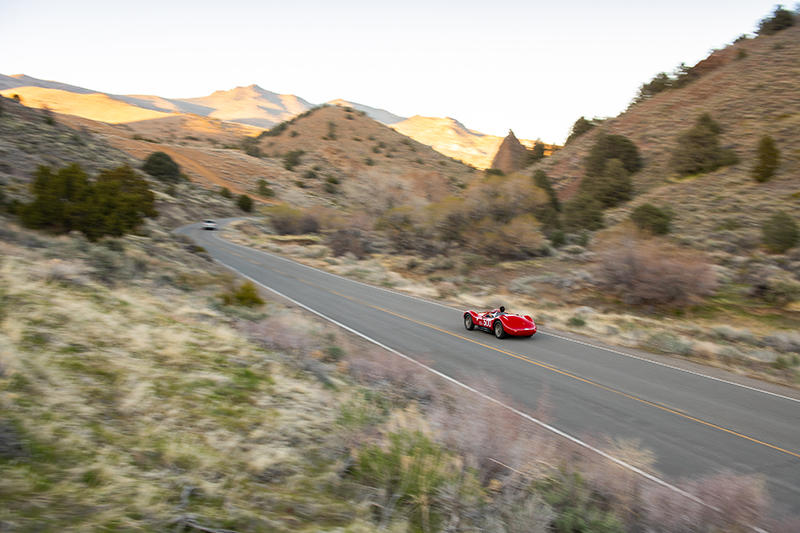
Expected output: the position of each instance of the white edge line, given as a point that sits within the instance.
(610, 350)
(526, 416)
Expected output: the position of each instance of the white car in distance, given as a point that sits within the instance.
(209, 224)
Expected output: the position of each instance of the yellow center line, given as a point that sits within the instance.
(553, 369)
(578, 378)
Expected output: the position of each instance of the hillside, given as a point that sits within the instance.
(381, 115)
(374, 166)
(22, 80)
(751, 89)
(452, 138)
(94, 106)
(251, 105)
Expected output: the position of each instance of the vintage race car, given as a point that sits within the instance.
(500, 323)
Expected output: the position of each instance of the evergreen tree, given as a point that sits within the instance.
(537, 153)
(59, 199)
(780, 20)
(780, 232)
(768, 159)
(114, 204)
(583, 212)
(580, 127)
(543, 182)
(245, 203)
(653, 219)
(162, 167)
(698, 149)
(608, 147)
(612, 187)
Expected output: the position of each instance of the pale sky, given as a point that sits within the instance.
(531, 66)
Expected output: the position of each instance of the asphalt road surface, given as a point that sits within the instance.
(695, 424)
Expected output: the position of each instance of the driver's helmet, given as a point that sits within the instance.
(502, 309)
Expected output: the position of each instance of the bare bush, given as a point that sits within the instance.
(287, 332)
(732, 503)
(653, 272)
(492, 435)
(401, 379)
(348, 240)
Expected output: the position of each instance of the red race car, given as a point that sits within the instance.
(500, 323)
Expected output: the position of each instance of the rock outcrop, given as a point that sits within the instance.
(511, 155)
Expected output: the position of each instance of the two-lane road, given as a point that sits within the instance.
(695, 424)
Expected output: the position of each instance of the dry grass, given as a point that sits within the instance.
(137, 404)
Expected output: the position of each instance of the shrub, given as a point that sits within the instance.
(225, 192)
(348, 240)
(653, 219)
(583, 212)
(768, 159)
(48, 116)
(780, 20)
(292, 159)
(331, 136)
(246, 295)
(245, 203)
(369, 161)
(608, 147)
(612, 187)
(399, 225)
(577, 506)
(662, 81)
(557, 238)
(517, 239)
(576, 321)
(654, 273)
(264, 190)
(542, 181)
(580, 127)
(493, 171)
(780, 232)
(409, 475)
(537, 153)
(251, 147)
(113, 204)
(290, 221)
(698, 150)
(162, 167)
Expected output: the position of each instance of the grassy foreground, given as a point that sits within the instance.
(136, 396)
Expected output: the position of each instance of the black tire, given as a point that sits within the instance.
(468, 322)
(499, 332)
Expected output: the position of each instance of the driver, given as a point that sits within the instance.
(497, 312)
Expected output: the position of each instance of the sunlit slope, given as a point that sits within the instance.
(452, 138)
(95, 106)
(251, 105)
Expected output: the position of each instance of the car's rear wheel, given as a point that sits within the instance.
(499, 332)
(468, 322)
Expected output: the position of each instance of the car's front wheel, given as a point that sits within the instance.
(468, 322)
(499, 332)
